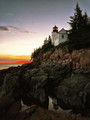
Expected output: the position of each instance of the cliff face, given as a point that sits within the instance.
(62, 75)
(77, 59)
(51, 78)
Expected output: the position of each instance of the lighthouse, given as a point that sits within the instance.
(55, 36)
(58, 36)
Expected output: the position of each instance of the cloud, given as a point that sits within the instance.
(26, 31)
(7, 29)
(4, 29)
(19, 29)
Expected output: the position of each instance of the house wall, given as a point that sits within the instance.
(63, 36)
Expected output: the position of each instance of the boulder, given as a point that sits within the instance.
(10, 85)
(74, 93)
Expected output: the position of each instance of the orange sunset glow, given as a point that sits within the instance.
(12, 59)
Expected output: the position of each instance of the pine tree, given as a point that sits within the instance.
(76, 24)
(85, 19)
(79, 37)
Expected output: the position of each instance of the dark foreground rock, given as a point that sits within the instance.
(74, 92)
(11, 110)
(33, 86)
(34, 83)
(8, 107)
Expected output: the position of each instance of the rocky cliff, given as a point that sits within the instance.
(76, 59)
(59, 74)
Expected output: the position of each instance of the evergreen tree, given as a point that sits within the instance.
(76, 25)
(85, 19)
(79, 33)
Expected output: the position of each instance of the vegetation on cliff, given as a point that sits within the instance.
(43, 49)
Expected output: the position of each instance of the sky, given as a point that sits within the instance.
(24, 24)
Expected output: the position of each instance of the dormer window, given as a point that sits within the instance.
(62, 36)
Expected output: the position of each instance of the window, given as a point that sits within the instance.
(62, 36)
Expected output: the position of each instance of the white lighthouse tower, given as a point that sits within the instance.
(55, 36)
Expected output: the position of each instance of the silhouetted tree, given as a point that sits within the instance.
(85, 19)
(79, 33)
